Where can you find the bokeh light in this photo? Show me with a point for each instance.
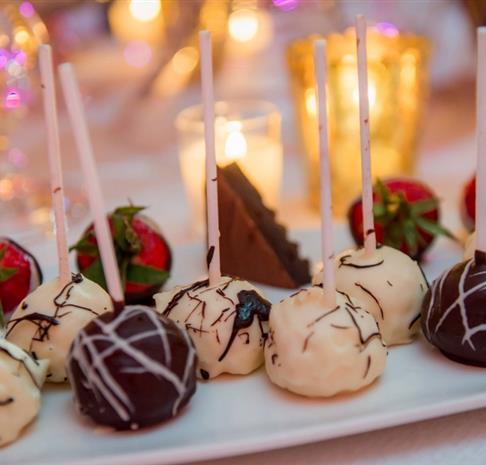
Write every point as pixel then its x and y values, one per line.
pixel 243 25
pixel 26 9
pixel 137 53
pixel 17 158
pixel 145 10
pixel 387 29
pixel 286 5
pixel 185 60
pixel 12 99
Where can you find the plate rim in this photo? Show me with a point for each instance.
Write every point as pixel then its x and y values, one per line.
pixel 295 436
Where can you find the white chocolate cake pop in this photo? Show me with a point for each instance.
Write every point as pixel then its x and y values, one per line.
pixel 317 351
pixel 21 378
pixel 47 320
pixel 227 323
pixel 389 284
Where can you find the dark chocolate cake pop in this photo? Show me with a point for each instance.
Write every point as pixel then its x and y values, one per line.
pixel 454 312
pixel 132 369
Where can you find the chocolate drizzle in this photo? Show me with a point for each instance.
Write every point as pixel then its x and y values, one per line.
pixel 132 369
pixel 45 322
pixel 368 365
pixel 209 256
pixel 250 305
pixel 343 262
pixel 368 292
pixel 179 295
pixel 454 312
pixel 23 360
pixel 414 321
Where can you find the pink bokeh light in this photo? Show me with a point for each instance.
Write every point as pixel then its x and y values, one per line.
pixel 137 54
pixel 26 9
pixel 286 5
pixel 12 99
pixel 387 29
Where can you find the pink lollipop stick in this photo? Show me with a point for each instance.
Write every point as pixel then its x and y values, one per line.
pixel 214 267
pixel 481 142
pixel 364 132
pixel 328 279
pixel 75 109
pixel 54 153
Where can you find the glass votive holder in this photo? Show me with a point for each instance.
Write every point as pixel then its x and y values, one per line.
pixel 397 88
pixel 248 133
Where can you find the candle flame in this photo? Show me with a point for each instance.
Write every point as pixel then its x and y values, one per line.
pixel 144 10
pixel 243 25
pixel 235 146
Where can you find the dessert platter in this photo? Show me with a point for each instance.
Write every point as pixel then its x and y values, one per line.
pixel 145 354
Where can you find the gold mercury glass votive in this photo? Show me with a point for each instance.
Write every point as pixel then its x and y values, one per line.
pixel 246 132
pixel 397 87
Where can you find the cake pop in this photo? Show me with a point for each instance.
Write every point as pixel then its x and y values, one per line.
pixel 322 342
pixel 389 284
pixel 453 312
pixel 129 368
pixel 46 321
pixel 227 323
pixel 21 378
pixel 318 351
pixel 226 317
pixel 132 369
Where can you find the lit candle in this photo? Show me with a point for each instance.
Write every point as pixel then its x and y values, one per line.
pixel 396 87
pixel 257 151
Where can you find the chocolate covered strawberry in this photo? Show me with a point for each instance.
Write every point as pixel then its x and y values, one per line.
pixel 143 255
pixel 406 216
pixel 20 274
pixel 468 204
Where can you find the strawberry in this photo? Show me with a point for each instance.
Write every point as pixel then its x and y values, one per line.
pixel 406 214
pixel 143 255
pixel 19 274
pixel 468 204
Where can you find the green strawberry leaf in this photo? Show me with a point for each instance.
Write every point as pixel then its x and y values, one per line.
pixel 148 275
pixel 95 273
pixel 85 246
pixel 424 206
pixel 7 273
pixel 3 251
pixel 410 235
pixel 379 210
pixel 436 229
pixel 128 211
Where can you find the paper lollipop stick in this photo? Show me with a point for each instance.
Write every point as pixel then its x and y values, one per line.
pixel 54 153
pixel 92 182
pixel 328 278
pixel 364 132
pixel 214 267
pixel 481 142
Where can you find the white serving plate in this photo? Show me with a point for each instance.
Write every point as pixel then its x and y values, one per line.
pixel 236 415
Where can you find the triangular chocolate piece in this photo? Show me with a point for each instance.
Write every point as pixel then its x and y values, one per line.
pixel 253 245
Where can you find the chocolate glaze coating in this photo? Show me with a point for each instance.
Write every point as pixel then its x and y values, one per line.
pixel 454 312
pixel 132 369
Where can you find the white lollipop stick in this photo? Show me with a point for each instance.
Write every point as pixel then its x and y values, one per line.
pixel 214 267
pixel 54 153
pixel 364 132
pixel 92 182
pixel 328 278
pixel 481 142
